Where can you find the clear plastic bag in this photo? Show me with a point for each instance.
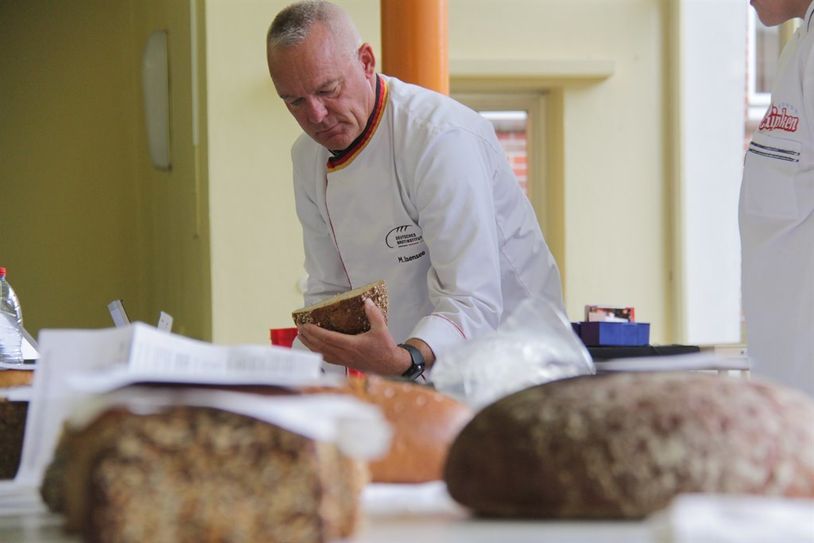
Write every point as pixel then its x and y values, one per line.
pixel 535 344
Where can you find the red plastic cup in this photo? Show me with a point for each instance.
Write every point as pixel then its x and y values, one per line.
pixel 282 337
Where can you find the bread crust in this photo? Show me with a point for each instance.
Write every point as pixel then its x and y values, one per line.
pixel 623 445
pixel 345 312
pixel 200 474
pixel 15 378
pixel 425 424
pixel 424 421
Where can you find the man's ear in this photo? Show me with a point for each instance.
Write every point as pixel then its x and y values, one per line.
pixel 367 58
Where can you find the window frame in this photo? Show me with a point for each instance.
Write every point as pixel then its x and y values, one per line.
pixel 757 102
pixel 534 104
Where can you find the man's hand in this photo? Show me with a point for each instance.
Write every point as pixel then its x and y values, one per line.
pixel 374 351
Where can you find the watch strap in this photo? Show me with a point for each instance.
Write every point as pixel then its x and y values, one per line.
pixel 416 362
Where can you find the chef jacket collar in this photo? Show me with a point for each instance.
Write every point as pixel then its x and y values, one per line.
pixel 336 155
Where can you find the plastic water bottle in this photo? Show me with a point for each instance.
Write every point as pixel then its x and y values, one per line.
pixel 11 323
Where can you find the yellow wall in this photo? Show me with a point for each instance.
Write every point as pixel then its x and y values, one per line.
pixel 612 238
pixel 67 168
pixel 175 212
pixel 257 254
pixel 95 222
pixel 614 186
pixel 84 217
pixel 614 234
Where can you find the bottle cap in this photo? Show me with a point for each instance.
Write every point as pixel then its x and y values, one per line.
pixel 2 271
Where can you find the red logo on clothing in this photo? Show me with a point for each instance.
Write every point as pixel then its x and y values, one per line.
pixel 779 120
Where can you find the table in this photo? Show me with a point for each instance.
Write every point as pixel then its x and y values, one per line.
pixel 438 528
pixel 400 514
pixel 425 514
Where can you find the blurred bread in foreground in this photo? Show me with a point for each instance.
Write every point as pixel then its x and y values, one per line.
pixel 623 445
pixel 15 378
pixel 192 474
pixel 424 421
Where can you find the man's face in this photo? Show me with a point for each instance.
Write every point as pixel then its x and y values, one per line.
pixel 775 12
pixel 330 92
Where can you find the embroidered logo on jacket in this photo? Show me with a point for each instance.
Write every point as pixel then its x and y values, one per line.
pixel 780 119
pixel 403 236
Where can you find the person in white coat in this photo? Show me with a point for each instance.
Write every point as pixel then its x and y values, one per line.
pixel 777 212
pixel 396 182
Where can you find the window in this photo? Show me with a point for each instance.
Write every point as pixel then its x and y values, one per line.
pixel 763 51
pixel 519 124
pixel 511 128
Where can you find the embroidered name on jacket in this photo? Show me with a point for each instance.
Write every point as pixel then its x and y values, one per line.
pixel 403 236
pixel 779 120
pixel 412 257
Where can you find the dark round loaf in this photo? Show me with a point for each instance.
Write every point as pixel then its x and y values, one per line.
pixel 623 445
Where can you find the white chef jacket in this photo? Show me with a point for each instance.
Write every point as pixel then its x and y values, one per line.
pixel 426 200
pixel 777 223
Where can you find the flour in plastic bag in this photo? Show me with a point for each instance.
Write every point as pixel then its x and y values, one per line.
pixel 534 345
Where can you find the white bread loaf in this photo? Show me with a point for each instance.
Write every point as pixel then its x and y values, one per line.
pixel 424 421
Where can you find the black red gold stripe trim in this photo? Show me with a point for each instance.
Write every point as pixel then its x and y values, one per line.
pixel 347 157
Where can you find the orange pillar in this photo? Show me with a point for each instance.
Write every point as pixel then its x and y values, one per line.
pixel 414 42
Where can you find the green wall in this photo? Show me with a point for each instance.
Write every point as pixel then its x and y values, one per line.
pixel 84 218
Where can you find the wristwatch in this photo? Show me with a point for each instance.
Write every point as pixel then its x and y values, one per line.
pixel 416 362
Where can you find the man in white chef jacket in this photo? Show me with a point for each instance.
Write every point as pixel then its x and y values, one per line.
pixel 777 212
pixel 396 182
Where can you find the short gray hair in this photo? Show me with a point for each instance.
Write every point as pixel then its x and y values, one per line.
pixel 292 25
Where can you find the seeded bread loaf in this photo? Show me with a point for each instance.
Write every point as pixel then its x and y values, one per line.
pixel 12 422
pixel 344 312
pixel 623 445
pixel 191 474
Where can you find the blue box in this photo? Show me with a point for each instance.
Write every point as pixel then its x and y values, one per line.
pixel 596 334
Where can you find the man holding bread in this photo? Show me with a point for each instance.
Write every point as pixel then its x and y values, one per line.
pixel 398 183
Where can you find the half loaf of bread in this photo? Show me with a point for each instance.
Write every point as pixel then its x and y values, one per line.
pixel 345 312
pixel 190 474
